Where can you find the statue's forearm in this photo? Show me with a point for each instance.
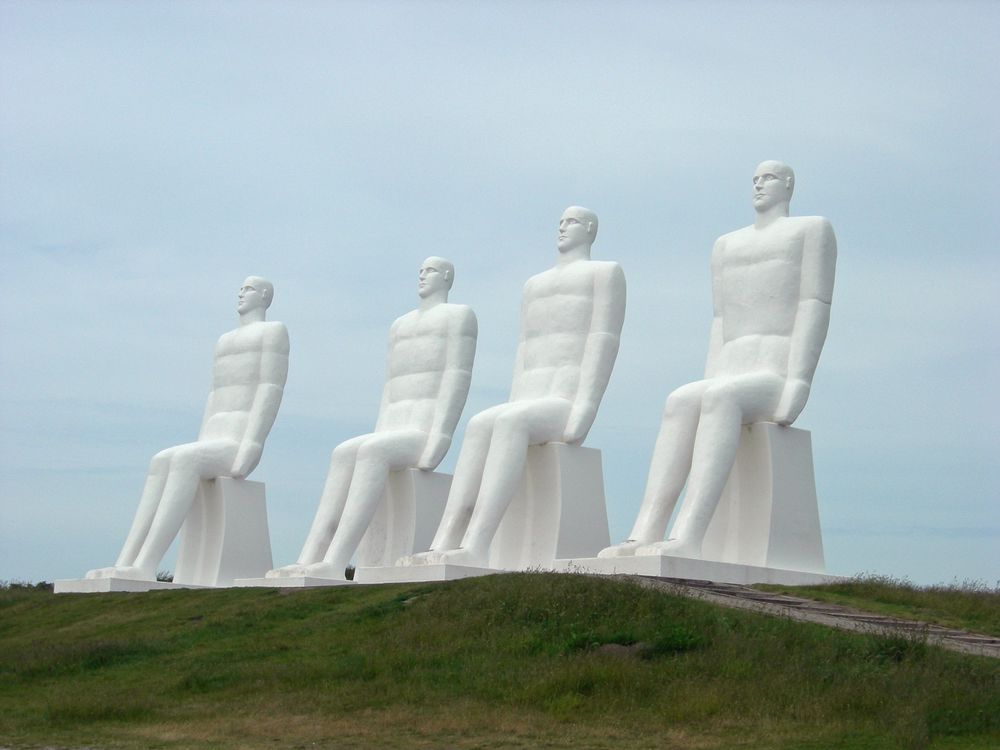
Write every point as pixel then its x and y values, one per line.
pixel 263 412
pixel 595 372
pixel 811 323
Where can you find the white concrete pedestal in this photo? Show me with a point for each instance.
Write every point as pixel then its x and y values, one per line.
pixel 405 521
pixel 419 573
pixel 225 535
pixel 558 511
pixel 768 514
pixel 697 570
pixel 109 585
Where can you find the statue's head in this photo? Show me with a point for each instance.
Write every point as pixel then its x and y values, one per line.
pixel 436 274
pixel 773 183
pixel 255 293
pixel 578 226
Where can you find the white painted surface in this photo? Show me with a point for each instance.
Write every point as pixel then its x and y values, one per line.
pixel 291 582
pixel 430 358
pixel 248 379
pixel 225 535
pixel 406 518
pixel 571 321
pixel 772 284
pixel 112 585
pixel 768 514
pixel 692 569
pixel 558 510
pixel 420 573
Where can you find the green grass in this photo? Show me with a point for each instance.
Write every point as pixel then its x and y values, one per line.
pixel 511 661
pixel 971 605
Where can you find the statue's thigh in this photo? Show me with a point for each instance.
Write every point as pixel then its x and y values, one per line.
pixel 398 448
pixel 544 419
pixel 208 459
pixel 756 395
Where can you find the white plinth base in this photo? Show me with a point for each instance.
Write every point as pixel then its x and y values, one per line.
pixel 295 582
pixel 768 515
pixel 106 585
pixel 225 534
pixel 419 573
pixel 406 518
pixel 698 570
pixel 557 512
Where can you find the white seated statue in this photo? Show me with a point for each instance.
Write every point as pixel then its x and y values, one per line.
pixel 772 284
pixel 431 352
pixel 571 320
pixel 248 379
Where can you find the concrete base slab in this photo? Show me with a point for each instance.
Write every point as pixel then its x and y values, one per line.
pixel 294 582
pixel 108 585
pixel 419 573
pixel 698 570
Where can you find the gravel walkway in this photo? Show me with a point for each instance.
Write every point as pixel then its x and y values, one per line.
pixel 833 615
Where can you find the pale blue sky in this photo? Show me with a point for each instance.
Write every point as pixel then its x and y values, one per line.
pixel 154 154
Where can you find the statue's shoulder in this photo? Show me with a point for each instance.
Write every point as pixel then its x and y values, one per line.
pixel 274 335
pixel 736 236
pixel 460 319
pixel 810 222
pixel 457 311
pixel 605 267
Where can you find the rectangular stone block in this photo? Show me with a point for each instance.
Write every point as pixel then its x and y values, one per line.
pixel 225 535
pixel 406 518
pixel 107 585
pixel 697 570
pixel 419 573
pixel 768 515
pixel 558 511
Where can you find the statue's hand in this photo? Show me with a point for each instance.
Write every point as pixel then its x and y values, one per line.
pixel 792 402
pixel 247 458
pixel 437 446
pixel 581 418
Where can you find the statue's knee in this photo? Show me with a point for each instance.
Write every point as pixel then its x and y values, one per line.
pixel 160 463
pixel 508 423
pixel 480 425
pixel 371 454
pixel 680 402
pixel 717 398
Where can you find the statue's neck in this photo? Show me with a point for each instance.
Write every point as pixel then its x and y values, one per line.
pixel 252 316
pixel 573 255
pixel 767 217
pixel 433 300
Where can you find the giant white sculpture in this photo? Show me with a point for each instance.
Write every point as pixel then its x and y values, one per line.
pixel 248 379
pixel 571 320
pixel 772 284
pixel 431 352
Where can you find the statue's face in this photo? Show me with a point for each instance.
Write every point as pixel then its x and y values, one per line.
pixel 771 186
pixel 573 230
pixel 431 279
pixel 250 298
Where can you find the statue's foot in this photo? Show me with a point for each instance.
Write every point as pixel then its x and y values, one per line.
pixel 463 556
pixel 286 571
pixel 324 570
pixel 100 573
pixel 295 570
pixel 671 548
pixel 421 558
pixel 625 549
pixel 130 572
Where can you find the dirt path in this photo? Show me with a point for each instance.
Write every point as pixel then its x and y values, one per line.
pixel 823 613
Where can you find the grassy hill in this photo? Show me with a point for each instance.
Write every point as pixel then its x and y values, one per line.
pixel 512 661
